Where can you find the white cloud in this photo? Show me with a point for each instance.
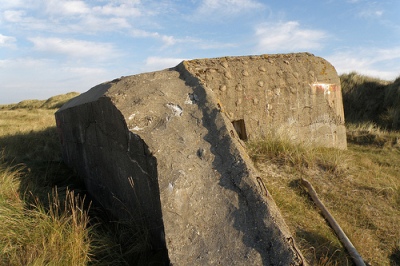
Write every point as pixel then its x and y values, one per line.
pixel 371 12
pixel 367 9
pixel 7 41
pixel 122 10
pixel 376 62
pixel 85 71
pixel 74 48
pixel 13 15
pixel 6 4
pixel 227 7
pixel 184 42
pixel 20 19
pixel 24 64
pixel 29 78
pixel 287 37
pixel 95 23
pixel 72 8
pixel 154 63
pixel 64 16
pixel 206 44
pixel 66 7
pixel 20 79
pixel 166 39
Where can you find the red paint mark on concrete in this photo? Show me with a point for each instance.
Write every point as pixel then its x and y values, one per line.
pixel 325 87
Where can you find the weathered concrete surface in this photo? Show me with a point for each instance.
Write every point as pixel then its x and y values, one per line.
pixel 160 148
pixel 295 95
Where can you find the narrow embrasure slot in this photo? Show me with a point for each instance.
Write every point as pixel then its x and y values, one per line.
pixel 240 128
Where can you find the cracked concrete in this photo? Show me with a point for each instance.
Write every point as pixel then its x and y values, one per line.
pixel 166 150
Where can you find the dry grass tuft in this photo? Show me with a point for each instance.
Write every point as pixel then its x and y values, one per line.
pixel 44 216
pixel 298 156
pixel 34 235
pixel 360 186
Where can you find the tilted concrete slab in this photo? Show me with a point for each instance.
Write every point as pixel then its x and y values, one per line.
pixel 165 149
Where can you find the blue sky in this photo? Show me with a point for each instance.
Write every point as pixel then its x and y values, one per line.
pixel 50 47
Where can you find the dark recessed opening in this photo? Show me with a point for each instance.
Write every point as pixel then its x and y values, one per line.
pixel 240 128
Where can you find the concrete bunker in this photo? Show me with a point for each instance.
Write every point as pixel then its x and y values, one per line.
pixel 165 149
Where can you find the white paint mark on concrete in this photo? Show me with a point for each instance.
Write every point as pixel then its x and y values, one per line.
pixel 132 116
pixel 191 98
pixel 176 109
pixel 136 128
pixel 170 187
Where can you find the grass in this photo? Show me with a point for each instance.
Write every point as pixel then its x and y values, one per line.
pixel 54 102
pixel 367 99
pixel 360 186
pixel 34 235
pixel 45 215
pixel 42 224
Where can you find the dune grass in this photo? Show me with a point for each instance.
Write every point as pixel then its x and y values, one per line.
pixel 34 235
pixel 41 224
pixel 368 99
pixel 45 215
pixel 54 102
pixel 360 186
pixel 37 231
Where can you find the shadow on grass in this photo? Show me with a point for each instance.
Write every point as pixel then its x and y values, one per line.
pixel 319 250
pixel 395 256
pixel 39 154
pixel 44 173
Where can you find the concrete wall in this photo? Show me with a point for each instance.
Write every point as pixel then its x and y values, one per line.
pixel 165 150
pixel 118 169
pixel 295 95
